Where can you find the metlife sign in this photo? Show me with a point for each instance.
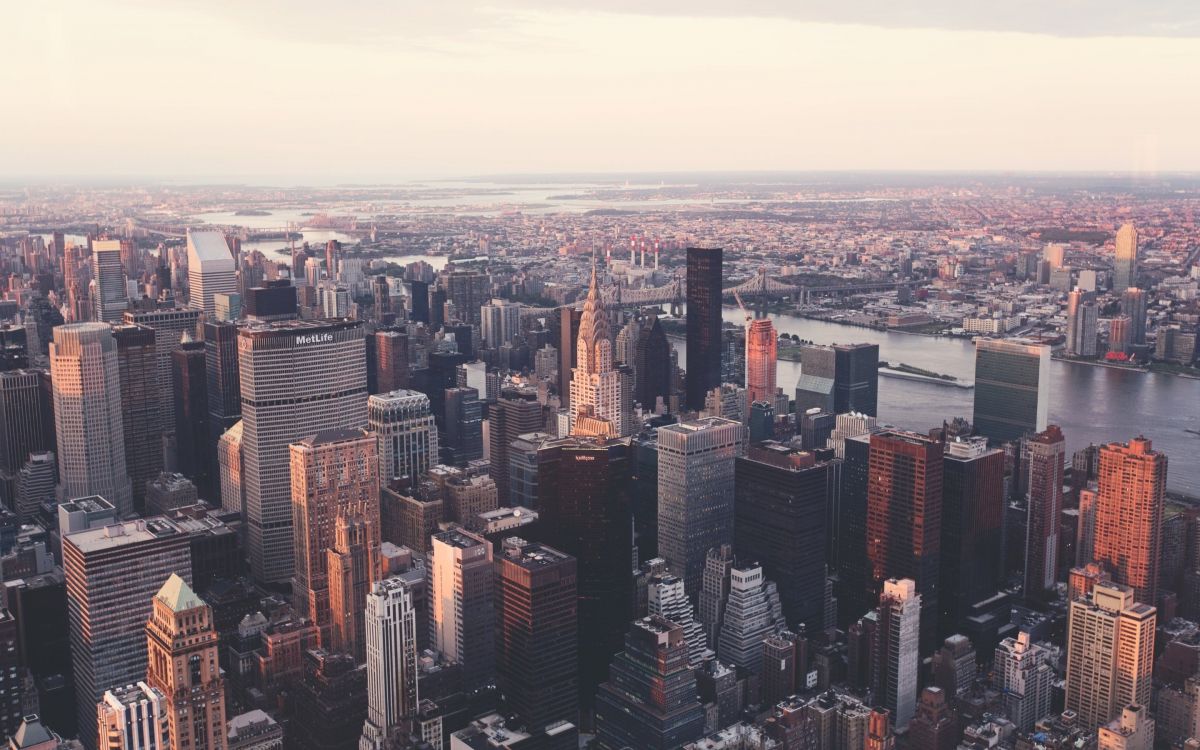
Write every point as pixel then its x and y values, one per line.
pixel 314 338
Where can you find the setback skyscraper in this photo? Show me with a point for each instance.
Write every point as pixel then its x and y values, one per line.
pixel 761 363
pixel 391 636
pixel 408 437
pixel 596 404
pixel 1011 378
pixel 112 293
pixel 703 323
pixel 212 270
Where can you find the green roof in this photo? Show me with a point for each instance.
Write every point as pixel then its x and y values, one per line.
pixel 178 595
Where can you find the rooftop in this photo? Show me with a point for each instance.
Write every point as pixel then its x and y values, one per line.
pixel 209 245
pixel 178 595
pixel 122 534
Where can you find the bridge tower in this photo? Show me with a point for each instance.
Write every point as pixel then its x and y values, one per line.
pixel 677 300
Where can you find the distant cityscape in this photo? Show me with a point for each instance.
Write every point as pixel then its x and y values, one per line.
pixel 714 462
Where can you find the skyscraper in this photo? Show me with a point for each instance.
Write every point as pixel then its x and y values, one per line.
pixel 904 521
pixel 169 326
pixel 462 610
pixel 650 699
pixel 704 271
pixel 391 637
pixel 1125 258
pixel 463 423
pixel 848 531
pixel 761 365
pixel 190 391
pixel 652 362
pixel 289 392
pixel 408 437
pixel 972 546
pixel 1110 653
pixel 696 493
pixel 1133 304
pixel 536 639
pixel 1082 321
pixel 500 322
pixel 133 717
pixel 221 370
pixel 1011 378
pixel 665 596
pixel 24 428
pixel 515 413
pixel 752 612
pixel 1129 513
pixel 112 293
pixel 141 420
pixel 87 412
pixel 391 361
pixel 112 575
pixel 895 653
pixel 466 291
pixel 781 498
pixel 1042 459
pixel 211 270
pixel 839 378
pixel 181 639
pixel 596 404
pixel 1025 673
pixel 352 565
pixel 335 473
pixel 567 319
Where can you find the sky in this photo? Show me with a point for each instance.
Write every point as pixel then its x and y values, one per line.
pixel 378 90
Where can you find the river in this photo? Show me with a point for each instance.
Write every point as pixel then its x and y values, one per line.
pixel 1091 404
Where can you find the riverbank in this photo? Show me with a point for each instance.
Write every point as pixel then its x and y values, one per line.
pixel 890 373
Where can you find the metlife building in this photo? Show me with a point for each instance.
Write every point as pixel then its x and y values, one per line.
pixel 297 378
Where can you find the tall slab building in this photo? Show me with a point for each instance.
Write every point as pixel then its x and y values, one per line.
pixel 704 272
pixel 1011 378
pixel 211 270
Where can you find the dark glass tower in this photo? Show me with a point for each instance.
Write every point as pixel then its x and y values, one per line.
pixel 972 549
pixel 137 363
pixel 652 363
pixel 566 321
pixel 838 379
pixel 850 536
pixel 190 384
pixel 1010 382
pixel 703 323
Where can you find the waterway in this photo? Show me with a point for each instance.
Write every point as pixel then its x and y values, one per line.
pixel 1091 404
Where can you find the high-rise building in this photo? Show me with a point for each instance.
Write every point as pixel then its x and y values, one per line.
pixel 112 574
pixel 169 326
pixel 35 485
pixel 462 611
pixel 1083 317
pixel 567 320
pixel 391 638
pixel 904 522
pixel 1125 258
pixel 467 291
pixel 231 467
pixel 391 361
pixel 221 370
pixel 751 613
pixel 1042 459
pixel 781 497
pixel 704 271
pixel 515 413
pixel 666 597
pixel 134 717
pixel 838 379
pixel 289 391
pixel 650 699
pixel 596 404
pixel 761 365
pixel 848 531
pixel 537 637
pixel 1025 673
pixel 1119 334
pixel 87 414
pixel 181 639
pixel 895 653
pixel 211 270
pixel 1133 304
pixel 696 493
pixel 652 363
pixel 714 591
pixel 333 474
pixel 1011 378
pixel 1129 514
pixel 112 292
pixel 500 322
pixel 141 420
pixel 352 566
pixel 585 506
pixel 971 566
pixel 408 437
pixel 24 427
pixel 190 390
pixel 1110 653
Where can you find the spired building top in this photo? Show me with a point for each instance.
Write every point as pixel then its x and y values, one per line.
pixel 178 595
pixel 595 384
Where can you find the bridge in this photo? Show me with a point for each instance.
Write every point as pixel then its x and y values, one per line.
pixel 759 286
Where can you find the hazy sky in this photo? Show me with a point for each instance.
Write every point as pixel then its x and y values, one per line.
pixel 392 89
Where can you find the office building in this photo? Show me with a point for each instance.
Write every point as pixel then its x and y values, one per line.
pixel 666 597
pixel 904 522
pixel 1025 673
pixel 1110 653
pixel 652 363
pixel 192 431
pixel 781 497
pixel 1133 305
pixel 462 611
pixel 839 378
pixel 515 413
pixel 169 326
pixel 467 291
pixel 1129 513
pixel 649 701
pixel 87 414
pixel 408 436
pixel 935 725
pixel 271 302
pixel 500 322
pixel 1083 317
pixel 24 427
pixel 228 306
pixel 751 613
pixel 462 441
pixel 895 653
pixel 761 363
pixel 181 639
pixel 971 565
pixel 34 485
pixel 596 403
pixel 221 370
pixel 335 473
pixel 1042 459
pixel 537 637
pixel 1125 258
pixel 566 321
pixel 714 590
pixel 211 270
pixel 1119 335
pixel 290 392
pixel 134 717
pixel 1011 378
pixel 391 640
pixel 112 292
pixel 254 730
pixel 231 467
pixel 352 565
pixel 168 492
pixel 704 271
pixel 696 463
pixel 112 574
pixel 141 418
pixel 391 361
